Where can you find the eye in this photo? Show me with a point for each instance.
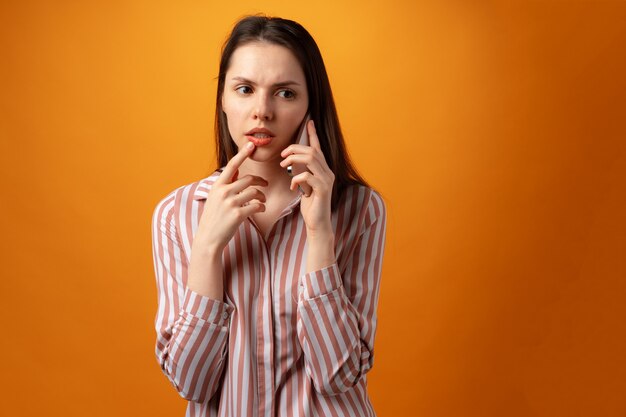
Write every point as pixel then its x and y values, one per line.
pixel 243 86
pixel 290 94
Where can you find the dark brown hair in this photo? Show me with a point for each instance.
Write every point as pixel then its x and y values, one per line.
pixel 322 109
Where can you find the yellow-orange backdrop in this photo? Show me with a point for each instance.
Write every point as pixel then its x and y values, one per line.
pixel 494 130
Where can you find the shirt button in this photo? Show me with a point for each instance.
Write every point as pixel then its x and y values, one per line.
pixel 225 315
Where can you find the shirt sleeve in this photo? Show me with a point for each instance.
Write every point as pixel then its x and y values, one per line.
pixel 336 321
pixel 192 330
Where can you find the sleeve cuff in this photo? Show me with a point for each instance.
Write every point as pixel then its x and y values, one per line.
pixel 207 309
pixel 323 281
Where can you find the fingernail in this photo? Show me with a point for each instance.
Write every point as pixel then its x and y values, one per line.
pixel 250 145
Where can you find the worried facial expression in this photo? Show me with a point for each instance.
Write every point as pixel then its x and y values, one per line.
pixel 265 89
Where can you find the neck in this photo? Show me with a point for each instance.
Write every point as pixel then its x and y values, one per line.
pixel 277 177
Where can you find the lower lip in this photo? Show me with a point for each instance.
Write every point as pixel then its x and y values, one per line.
pixel 259 141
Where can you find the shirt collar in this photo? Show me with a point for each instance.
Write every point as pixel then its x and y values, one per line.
pixel 204 185
pixel 293 203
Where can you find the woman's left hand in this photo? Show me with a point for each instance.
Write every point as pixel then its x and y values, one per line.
pixel 315 207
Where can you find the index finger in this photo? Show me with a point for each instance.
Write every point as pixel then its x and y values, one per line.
pixel 315 142
pixel 235 162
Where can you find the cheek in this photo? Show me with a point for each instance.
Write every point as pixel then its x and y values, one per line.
pixel 233 111
pixel 232 121
pixel 228 103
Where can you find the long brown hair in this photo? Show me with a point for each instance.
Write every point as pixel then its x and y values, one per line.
pixel 322 109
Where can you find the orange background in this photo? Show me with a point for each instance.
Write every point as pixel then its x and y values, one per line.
pixel 494 130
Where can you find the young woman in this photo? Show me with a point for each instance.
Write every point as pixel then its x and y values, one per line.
pixel 267 283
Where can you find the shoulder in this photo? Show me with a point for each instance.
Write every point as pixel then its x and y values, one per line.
pixel 183 196
pixel 364 203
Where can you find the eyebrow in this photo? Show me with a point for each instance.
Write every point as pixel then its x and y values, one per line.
pixel 281 84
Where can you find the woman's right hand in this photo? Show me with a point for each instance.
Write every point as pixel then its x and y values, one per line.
pixel 228 204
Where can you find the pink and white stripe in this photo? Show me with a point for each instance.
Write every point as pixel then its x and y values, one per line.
pixel 283 342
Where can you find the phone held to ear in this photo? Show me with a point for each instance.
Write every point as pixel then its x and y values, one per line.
pixel 295 169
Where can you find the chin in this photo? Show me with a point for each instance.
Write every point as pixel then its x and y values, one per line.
pixel 263 154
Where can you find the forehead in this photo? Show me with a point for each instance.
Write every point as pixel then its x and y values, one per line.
pixel 263 62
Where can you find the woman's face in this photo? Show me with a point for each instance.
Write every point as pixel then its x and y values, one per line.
pixel 265 87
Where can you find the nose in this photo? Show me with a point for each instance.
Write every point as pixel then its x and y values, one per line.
pixel 263 108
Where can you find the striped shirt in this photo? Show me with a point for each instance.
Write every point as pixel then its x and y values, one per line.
pixel 283 342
